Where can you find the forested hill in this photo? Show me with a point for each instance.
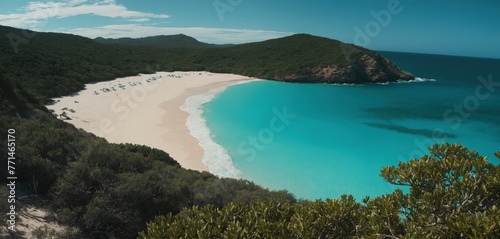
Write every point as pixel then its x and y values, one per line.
pixel 171 41
pixel 55 64
pixel 298 58
pixel 307 58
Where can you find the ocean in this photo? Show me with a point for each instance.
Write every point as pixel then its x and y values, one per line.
pixel 321 141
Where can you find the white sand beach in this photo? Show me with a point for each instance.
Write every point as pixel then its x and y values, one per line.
pixel 144 110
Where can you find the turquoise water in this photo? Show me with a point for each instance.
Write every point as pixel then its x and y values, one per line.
pixel 322 141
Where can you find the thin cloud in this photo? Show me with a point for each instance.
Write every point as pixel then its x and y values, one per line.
pixel 36 13
pixel 140 20
pixel 210 35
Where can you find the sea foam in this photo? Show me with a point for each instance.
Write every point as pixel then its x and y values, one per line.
pixel 217 159
pixel 416 80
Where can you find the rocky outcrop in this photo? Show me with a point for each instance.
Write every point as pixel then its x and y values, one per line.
pixel 369 68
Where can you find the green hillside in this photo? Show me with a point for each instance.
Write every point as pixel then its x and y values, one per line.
pixel 277 58
pixel 172 41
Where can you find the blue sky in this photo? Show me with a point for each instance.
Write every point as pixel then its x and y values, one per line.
pixel 468 28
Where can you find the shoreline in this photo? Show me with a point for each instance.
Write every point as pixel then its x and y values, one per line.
pixel 146 110
pixel 215 157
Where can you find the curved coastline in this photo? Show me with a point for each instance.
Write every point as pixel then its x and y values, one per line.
pixel 173 107
pixel 215 157
pixel 144 111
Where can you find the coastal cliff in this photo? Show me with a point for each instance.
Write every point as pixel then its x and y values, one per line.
pixel 310 59
pixel 367 68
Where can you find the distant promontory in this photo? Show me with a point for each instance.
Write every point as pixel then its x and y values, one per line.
pixel 320 60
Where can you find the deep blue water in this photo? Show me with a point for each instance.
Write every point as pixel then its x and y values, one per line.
pixel 322 141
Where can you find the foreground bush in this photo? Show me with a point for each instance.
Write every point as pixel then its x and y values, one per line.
pixel 453 193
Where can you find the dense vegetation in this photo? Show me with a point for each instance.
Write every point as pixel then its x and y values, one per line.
pixel 53 64
pixel 172 41
pixel 111 191
pixel 269 59
pixel 454 193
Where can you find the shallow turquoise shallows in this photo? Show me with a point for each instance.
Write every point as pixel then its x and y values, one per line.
pixel 322 141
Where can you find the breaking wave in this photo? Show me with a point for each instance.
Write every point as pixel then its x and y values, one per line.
pixel 217 159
